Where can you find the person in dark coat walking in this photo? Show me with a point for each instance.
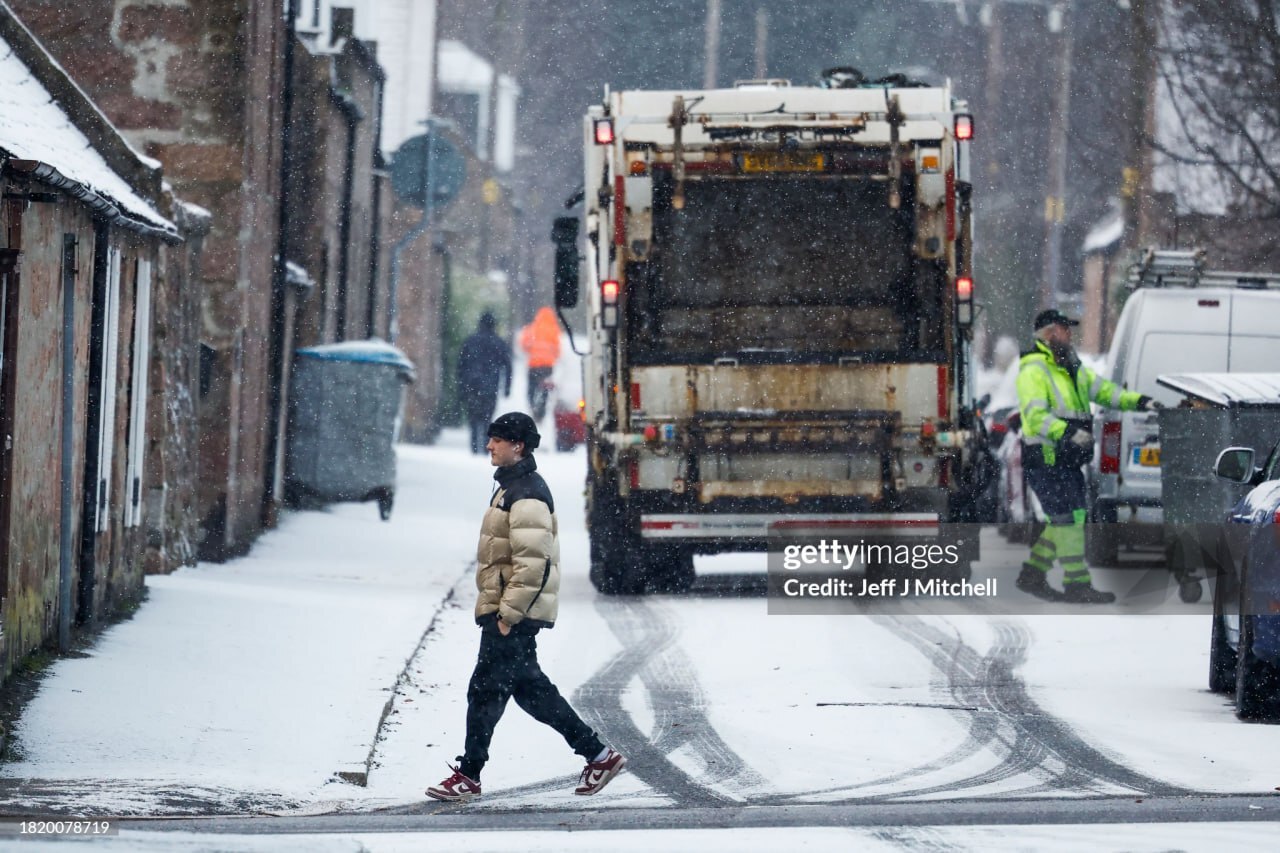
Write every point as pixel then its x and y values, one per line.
pixel 518 578
pixel 483 365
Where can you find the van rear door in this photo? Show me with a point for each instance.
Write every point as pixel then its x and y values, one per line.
pixel 1182 330
pixel 1255 332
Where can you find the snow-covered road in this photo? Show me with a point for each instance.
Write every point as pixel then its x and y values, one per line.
pixel 242 688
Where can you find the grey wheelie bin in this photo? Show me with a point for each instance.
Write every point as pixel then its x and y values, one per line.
pixel 1221 410
pixel 344 419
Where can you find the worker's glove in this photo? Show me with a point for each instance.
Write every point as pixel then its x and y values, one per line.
pixel 1147 404
pixel 1082 438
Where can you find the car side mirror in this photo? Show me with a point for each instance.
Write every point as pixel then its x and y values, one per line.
pixel 1235 464
pixel 564 233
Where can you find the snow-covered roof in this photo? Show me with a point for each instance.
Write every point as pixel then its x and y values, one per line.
pixel 33 126
pixel 463 70
pixel 1105 233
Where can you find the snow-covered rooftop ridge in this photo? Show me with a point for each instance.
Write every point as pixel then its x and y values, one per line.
pixel 298 275
pixel 461 69
pixel 34 126
pixel 1106 232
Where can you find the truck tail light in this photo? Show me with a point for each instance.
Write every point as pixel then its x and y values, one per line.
pixel 964 300
pixel 604 131
pixel 964 127
pixel 609 302
pixel 1109 462
pixel 635 396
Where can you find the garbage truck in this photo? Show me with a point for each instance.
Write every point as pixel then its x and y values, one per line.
pixel 779 293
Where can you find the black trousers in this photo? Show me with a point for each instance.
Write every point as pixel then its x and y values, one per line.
pixel 479 408
pixel 537 391
pixel 507 668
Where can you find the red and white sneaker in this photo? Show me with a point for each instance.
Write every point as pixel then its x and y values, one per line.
pixel 597 774
pixel 457 788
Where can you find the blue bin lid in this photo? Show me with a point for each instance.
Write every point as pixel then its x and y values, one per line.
pixel 371 351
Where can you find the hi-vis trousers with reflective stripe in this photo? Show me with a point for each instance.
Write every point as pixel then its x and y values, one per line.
pixel 1061 493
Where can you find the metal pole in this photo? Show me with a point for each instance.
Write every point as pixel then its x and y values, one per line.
pixel 762 43
pixel 711 46
pixel 1055 201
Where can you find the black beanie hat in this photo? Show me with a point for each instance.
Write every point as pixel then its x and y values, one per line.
pixel 516 426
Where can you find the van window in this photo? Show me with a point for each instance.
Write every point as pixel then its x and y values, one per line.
pixel 1183 352
pixel 1255 354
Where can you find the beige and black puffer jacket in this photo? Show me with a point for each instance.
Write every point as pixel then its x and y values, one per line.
pixel 518 560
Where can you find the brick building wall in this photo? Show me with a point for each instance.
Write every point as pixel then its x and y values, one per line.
pixel 196 85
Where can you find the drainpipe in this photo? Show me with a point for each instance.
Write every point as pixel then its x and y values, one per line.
pixel 276 343
pixel 352 112
pixel 375 235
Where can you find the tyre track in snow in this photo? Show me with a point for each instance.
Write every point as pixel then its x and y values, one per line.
pixel 1006 722
pixel 647 632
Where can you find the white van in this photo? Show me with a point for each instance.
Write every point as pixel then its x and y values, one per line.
pixel 1166 330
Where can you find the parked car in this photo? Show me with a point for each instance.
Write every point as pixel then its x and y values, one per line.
pixel 567 404
pixel 1162 330
pixel 1244 651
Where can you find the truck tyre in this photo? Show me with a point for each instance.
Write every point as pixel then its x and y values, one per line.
pixel 670 569
pixel 961 571
pixel 615 569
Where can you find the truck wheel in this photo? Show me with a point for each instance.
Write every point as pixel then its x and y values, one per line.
pixel 671 569
pixel 961 571
pixel 617 578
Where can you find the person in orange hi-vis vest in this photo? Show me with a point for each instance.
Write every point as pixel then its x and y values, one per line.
pixel 540 341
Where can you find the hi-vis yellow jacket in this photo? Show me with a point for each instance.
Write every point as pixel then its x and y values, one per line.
pixel 1048 398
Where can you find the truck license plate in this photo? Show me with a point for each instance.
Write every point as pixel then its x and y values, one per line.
pixel 1148 457
pixel 782 161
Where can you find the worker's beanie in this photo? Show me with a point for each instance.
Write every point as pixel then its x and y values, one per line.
pixel 516 426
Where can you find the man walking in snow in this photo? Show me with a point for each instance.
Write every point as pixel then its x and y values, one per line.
pixel 483 364
pixel 518 576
